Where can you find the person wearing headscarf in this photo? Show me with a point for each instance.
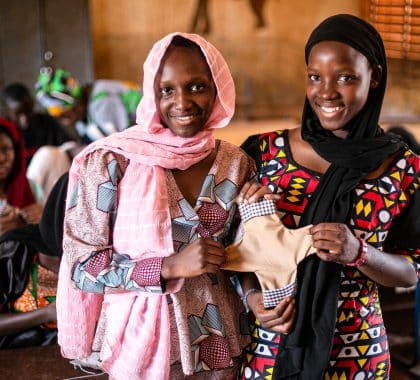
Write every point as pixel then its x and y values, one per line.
pixel 149 212
pixel 17 202
pixel 92 111
pixel 359 190
pixel 29 261
pixel 37 128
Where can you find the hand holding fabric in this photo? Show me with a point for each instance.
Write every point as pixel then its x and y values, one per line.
pixel 335 242
pixel 253 191
pixel 199 257
pixel 279 319
pixel 10 220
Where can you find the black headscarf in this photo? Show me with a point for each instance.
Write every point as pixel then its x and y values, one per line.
pixel 304 353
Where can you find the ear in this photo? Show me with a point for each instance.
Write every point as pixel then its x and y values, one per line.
pixel 376 76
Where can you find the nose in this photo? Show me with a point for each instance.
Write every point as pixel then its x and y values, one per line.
pixel 182 100
pixel 328 90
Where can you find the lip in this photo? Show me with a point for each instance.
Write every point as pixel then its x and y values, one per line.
pixel 184 119
pixel 330 111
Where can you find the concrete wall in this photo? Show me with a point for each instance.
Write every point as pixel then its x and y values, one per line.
pixel 267 64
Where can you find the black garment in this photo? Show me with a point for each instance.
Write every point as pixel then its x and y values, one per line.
pixel 43 130
pixel 18 248
pixel 305 352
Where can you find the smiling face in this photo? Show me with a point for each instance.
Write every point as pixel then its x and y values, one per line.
pixel 338 85
pixel 185 91
pixel 7 156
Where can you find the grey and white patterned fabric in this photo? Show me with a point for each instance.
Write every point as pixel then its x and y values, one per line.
pixel 252 210
pixel 273 296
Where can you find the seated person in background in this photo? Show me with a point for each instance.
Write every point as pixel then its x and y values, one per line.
pixel 406 135
pixel 95 110
pixel 37 129
pixel 29 263
pixel 42 174
pixel 17 203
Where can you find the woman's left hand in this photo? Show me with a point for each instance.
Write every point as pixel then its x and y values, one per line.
pixel 335 242
pixel 253 191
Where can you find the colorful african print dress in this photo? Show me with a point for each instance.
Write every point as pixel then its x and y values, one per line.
pixel 206 314
pixel 360 346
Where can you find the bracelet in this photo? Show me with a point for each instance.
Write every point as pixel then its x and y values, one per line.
pixel 361 257
pixel 245 297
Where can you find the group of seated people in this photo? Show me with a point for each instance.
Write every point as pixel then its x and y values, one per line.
pixel 40 133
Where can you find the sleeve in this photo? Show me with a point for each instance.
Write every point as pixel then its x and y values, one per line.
pixel 404 235
pixel 88 230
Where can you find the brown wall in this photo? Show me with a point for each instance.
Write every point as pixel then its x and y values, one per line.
pixel 271 59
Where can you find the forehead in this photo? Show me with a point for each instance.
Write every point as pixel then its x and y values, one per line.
pixel 16 105
pixel 5 139
pixel 184 61
pixel 337 52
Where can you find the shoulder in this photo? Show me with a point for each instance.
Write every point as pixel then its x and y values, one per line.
pixel 101 160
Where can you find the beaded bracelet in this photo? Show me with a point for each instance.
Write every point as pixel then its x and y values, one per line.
pixel 245 297
pixel 361 257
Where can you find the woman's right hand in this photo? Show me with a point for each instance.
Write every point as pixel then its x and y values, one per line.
pixel 10 221
pixel 200 256
pixel 279 319
pixel 253 191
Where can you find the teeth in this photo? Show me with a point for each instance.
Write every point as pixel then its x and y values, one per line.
pixel 184 118
pixel 330 109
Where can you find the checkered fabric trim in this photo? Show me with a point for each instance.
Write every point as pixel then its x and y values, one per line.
pixel 147 272
pixel 98 262
pixel 252 210
pixel 272 297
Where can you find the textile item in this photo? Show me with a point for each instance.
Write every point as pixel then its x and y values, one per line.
pixel 155 148
pixel 270 250
pixel 40 291
pixel 217 307
pixel 19 192
pixel 360 346
pixel 57 90
pixel 111 108
pixel 351 159
pixel 51 223
pixel 19 246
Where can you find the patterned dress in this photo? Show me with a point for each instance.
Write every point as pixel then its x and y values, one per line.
pixel 207 311
pixel 360 347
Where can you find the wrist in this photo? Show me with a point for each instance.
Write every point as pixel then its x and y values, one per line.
pixel 246 296
pixel 166 271
pixel 361 255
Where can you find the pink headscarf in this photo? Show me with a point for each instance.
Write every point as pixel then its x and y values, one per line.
pixel 153 148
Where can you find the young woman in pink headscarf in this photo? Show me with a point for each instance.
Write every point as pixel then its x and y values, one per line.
pixel 149 212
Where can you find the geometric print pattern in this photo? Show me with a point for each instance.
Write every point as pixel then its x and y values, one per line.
pixel 360 348
pixel 259 357
pixel 209 346
pixel 211 216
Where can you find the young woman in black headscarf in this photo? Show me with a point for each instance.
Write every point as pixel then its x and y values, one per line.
pixel 359 188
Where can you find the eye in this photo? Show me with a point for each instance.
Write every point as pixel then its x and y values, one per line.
pixel 344 78
pixel 197 87
pixel 165 91
pixel 313 77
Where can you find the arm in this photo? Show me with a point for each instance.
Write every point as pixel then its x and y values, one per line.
pixel 335 242
pixel 11 323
